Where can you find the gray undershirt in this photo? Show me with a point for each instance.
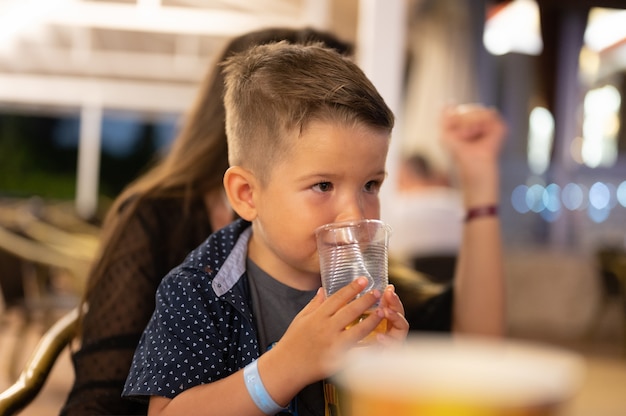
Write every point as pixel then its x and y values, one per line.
pixel 274 305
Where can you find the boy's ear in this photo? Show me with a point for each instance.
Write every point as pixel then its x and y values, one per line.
pixel 239 184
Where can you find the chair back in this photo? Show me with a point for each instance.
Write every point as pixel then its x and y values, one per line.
pixel 37 370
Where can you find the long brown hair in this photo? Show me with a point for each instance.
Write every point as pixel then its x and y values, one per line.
pixel 195 165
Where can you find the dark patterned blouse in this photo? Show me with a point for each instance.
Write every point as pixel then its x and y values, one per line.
pixel 124 299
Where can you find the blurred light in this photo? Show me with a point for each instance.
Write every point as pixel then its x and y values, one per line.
pixel 534 198
pixel 576 150
pixel 551 197
pixel 514 28
pixel 518 199
pixel 621 193
pixel 585 191
pixel 598 215
pixel 599 196
pixel 612 195
pixel 600 126
pixel 572 196
pixel 589 63
pixel 551 201
pixel 540 138
pixel 605 28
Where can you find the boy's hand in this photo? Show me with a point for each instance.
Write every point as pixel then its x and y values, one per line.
pixel 397 325
pixel 317 339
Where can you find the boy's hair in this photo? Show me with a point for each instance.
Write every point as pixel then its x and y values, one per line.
pixel 273 91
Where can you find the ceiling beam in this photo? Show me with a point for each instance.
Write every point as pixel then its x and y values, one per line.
pixel 170 19
pixel 146 66
pixel 72 92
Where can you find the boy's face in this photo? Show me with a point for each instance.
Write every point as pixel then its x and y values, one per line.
pixel 332 173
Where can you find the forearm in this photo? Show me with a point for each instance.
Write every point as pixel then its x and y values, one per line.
pixel 230 396
pixel 479 282
pixel 312 349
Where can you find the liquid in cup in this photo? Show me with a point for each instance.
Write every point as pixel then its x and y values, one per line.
pixel 348 250
pixel 460 376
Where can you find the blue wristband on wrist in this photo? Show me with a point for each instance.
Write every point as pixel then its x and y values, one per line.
pixel 257 391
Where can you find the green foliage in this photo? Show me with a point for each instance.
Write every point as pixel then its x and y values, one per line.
pixel 32 163
pixel 26 167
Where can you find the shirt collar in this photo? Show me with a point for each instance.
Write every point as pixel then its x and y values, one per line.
pixel 234 266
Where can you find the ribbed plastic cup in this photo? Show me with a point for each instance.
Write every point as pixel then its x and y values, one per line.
pixel 348 250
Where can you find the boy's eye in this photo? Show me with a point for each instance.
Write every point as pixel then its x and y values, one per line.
pixel 323 187
pixel 372 186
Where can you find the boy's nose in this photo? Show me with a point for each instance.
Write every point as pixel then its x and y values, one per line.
pixel 351 210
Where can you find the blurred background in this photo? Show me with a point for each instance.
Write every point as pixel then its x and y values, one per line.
pixel 91 91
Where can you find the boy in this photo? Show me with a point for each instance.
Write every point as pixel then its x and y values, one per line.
pixel 241 327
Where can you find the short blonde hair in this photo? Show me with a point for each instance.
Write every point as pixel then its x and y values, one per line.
pixel 273 91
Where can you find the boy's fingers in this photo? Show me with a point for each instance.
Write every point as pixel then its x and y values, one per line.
pixel 356 308
pixel 344 295
pixel 396 320
pixel 392 300
pixel 364 327
pixel 394 311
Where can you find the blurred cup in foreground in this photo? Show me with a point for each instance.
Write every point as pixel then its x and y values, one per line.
pixel 438 376
pixel 348 250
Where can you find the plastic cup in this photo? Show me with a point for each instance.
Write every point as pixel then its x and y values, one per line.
pixel 348 250
pixel 432 376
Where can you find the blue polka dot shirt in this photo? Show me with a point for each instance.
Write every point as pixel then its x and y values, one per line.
pixel 202 328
